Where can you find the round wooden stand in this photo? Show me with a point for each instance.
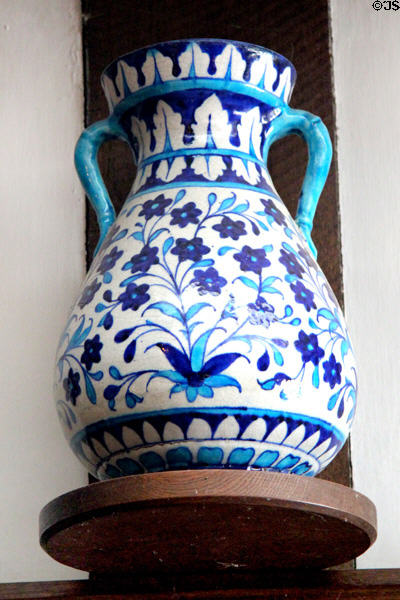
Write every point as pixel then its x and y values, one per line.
pixel 199 521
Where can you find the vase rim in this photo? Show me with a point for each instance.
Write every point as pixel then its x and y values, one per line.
pixel 249 45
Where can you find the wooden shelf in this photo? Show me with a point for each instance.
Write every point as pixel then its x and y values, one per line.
pixel 324 585
pixel 187 523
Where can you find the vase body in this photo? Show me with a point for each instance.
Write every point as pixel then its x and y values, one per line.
pixel 205 334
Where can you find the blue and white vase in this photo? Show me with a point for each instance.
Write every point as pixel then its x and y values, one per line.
pixel 205 334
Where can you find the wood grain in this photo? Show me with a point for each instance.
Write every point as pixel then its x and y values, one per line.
pixel 381 584
pixel 187 522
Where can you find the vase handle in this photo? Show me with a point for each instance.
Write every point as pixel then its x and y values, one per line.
pixel 89 173
pixel 316 135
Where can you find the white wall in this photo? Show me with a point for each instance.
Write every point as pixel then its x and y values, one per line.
pixel 42 257
pixel 41 265
pixel 366 52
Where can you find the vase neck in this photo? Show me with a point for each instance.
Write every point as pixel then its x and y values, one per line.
pixel 199 136
pixel 198 111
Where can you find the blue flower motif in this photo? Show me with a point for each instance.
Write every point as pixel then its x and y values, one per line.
pixel 196 383
pixel 252 259
pixel 185 215
pixel 71 386
pixel 229 228
pixel 109 260
pixel 190 249
pixel 91 353
pixel 309 348
pixel 261 312
pixel 134 296
pixel 290 261
pixel 303 296
pixel 333 371
pixel 208 281
pixel 275 213
pixel 155 207
pixel 89 293
pixel 144 260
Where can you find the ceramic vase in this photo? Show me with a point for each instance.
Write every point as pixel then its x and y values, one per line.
pixel 205 334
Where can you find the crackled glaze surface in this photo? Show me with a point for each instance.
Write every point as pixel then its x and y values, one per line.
pixel 205 334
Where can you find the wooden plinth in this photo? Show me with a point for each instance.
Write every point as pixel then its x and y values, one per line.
pixel 208 520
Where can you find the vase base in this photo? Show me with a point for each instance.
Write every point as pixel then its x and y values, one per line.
pixel 197 521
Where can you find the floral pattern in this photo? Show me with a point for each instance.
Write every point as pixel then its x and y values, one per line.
pixel 208 281
pixel 204 317
pixel 252 259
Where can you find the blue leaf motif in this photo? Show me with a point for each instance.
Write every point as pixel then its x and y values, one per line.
pixel 97 376
pixel 269 281
pixel 176 358
pixel 121 235
pixel 263 361
pixel 129 280
pixel 280 343
pixel 312 323
pixel 240 208
pixel 195 308
pixel 130 352
pixel 207 262
pixel 219 363
pixel 198 350
pixel 108 321
pixel 271 290
pixel 247 281
pixel 91 394
pixel 227 203
pixel 341 408
pixel 156 234
pixel 138 235
pixel 278 358
pixel 191 394
pixel 222 381
pixel 289 232
pixel 169 374
pixel 344 348
pixel 132 399
pixel 289 248
pixel 114 372
pixel 78 337
pixel 224 249
pixel 100 307
pixel 254 228
pixel 167 245
pixel 333 400
pixel 315 377
pixel 295 321
pixel 288 310
pixel 179 197
pixel 123 335
pixel 167 309
pixel 191 327
pixel 324 312
pixel 211 198
pixel 110 392
pixel 269 384
pixel 262 225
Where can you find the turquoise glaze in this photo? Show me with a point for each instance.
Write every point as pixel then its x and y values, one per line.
pixel 205 334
